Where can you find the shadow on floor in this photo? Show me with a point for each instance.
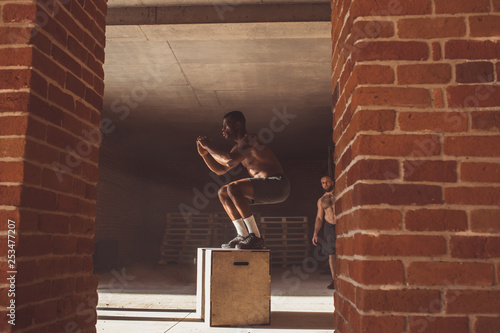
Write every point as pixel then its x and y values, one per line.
pixel 301 320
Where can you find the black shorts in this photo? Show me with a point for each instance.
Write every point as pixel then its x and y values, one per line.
pixel 270 190
pixel 330 235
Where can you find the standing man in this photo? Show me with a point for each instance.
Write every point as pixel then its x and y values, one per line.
pixel 326 211
pixel 267 184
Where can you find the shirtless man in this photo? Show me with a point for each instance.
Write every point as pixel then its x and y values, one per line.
pixel 268 183
pixel 326 212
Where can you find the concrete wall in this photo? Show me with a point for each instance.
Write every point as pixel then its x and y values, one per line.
pixel 120 206
pixel 51 87
pixel 417 132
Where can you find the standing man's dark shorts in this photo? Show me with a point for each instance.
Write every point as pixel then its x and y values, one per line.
pixel 330 235
pixel 270 190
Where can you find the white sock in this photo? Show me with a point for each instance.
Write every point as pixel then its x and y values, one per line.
pixel 252 226
pixel 240 227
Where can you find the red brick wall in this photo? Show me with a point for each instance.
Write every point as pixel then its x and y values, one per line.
pixel 416 124
pixel 51 87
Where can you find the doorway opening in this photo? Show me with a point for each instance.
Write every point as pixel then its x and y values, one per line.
pixel 164 86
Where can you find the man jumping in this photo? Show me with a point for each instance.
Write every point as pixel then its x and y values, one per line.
pixel 268 184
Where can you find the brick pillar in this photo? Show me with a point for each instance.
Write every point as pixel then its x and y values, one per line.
pixel 51 88
pixel 416 126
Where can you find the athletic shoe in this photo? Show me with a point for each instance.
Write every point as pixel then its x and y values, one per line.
pixel 233 242
pixel 251 242
pixel 331 286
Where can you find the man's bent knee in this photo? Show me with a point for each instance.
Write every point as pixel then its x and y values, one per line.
pixel 223 195
pixel 233 189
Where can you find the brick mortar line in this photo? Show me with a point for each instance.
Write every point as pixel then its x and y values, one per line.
pixel 97 8
pixel 425 85
pixel 441 184
pixel 3 24
pixel 336 79
pixel 62 214
pixel 405 232
pixel 10 183
pixel 334 69
pixel 51 212
pixel 417 259
pixel 51 255
pixel 395 63
pixel 398 131
pixel 44 211
pixel 35 258
pixel 338 43
pixel 406 260
pixel 396 18
pixel 55 191
pixel 49 167
pixel 26 259
pixel 421 109
pixel 427 207
pixel 15 46
pixel 20 90
pixel 401 287
pixel 344 67
pixel 341 313
pixel 17 68
pixel 452 61
pixel 37 233
pixel 402 207
pixel 441 135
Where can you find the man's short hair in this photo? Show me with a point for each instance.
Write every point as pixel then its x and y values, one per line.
pixel 236 116
pixel 333 180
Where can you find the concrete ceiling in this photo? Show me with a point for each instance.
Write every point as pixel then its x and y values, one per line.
pixel 165 84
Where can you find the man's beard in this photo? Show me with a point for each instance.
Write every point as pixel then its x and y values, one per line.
pixel 328 189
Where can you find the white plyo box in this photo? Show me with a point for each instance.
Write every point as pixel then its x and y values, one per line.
pixel 233 287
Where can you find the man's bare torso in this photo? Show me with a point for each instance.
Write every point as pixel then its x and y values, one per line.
pixel 327 203
pixel 261 162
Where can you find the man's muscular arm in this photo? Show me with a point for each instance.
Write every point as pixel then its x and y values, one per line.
pixel 210 162
pixel 319 222
pixel 229 160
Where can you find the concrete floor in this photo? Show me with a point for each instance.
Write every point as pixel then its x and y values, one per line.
pixel 153 299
